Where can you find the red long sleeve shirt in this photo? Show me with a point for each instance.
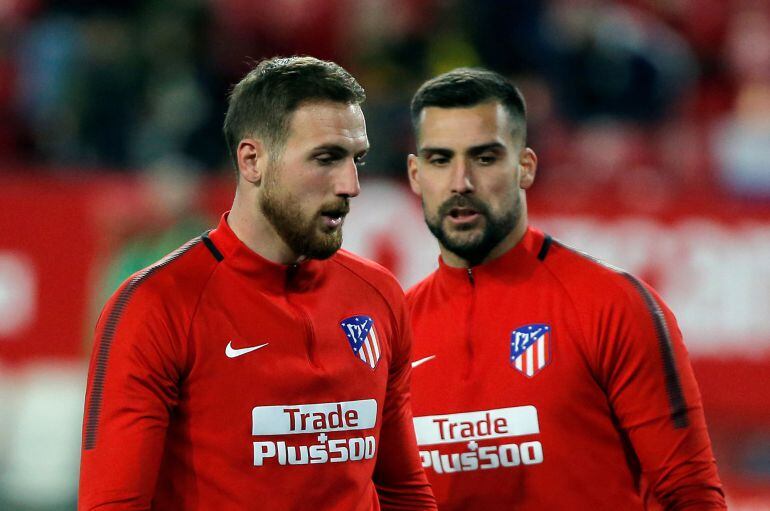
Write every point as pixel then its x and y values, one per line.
pixel 544 380
pixel 220 380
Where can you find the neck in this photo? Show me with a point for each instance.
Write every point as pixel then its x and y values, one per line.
pixel 506 244
pixel 256 232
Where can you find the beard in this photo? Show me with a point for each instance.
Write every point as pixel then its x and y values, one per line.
pixel 469 242
pixel 305 234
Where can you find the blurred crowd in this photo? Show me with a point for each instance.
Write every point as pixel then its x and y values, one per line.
pixel 647 101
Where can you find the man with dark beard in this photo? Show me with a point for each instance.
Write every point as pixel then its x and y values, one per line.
pixel 259 366
pixel 542 379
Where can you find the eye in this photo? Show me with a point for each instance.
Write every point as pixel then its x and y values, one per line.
pixel 486 159
pixel 325 159
pixel 438 160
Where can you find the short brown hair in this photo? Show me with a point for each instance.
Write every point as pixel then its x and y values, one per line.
pixel 263 101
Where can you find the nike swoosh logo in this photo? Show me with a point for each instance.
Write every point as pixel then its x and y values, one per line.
pixel 237 352
pixel 422 361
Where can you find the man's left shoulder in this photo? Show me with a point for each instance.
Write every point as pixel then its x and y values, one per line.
pixel 594 280
pixel 370 273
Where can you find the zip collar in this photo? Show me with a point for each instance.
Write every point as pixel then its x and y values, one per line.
pixel 269 275
pixel 512 265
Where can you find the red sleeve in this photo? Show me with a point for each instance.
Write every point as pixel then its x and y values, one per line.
pixel 645 369
pixel 132 385
pixel 399 477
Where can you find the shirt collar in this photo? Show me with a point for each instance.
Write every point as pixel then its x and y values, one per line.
pixel 510 264
pixel 273 276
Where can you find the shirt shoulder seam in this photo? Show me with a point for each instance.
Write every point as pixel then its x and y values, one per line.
pixel 592 358
pixel 194 312
pixel 393 316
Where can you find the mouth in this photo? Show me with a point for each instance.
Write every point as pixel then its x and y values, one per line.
pixel 463 215
pixel 333 218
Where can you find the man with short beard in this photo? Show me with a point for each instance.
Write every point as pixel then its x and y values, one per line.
pixel 542 379
pixel 259 366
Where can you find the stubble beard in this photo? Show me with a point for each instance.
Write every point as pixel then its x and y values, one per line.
pixel 473 247
pixel 303 234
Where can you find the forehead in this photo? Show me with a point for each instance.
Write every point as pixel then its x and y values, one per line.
pixel 465 127
pixel 328 123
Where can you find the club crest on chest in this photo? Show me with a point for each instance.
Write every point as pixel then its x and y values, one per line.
pixel 531 348
pixel 362 338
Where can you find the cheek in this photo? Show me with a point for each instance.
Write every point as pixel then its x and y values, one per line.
pixel 501 193
pixel 432 196
pixel 303 182
pixel 434 183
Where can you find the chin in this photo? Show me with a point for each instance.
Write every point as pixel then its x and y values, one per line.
pixel 325 245
pixel 465 234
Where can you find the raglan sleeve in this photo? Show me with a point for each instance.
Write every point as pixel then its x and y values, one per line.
pixel 398 475
pixel 651 387
pixel 132 386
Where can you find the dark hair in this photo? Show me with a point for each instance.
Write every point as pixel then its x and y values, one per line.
pixel 466 87
pixel 262 102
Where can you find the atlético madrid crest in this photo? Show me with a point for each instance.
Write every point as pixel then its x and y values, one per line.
pixel 531 348
pixel 362 338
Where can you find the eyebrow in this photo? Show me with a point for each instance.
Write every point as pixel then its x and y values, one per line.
pixel 493 146
pixel 425 151
pixel 331 148
pixel 338 150
pixel 472 151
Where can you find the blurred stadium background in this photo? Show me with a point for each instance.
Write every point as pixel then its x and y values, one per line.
pixel 651 119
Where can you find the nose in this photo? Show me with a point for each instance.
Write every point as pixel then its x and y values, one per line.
pixel 461 177
pixel 346 184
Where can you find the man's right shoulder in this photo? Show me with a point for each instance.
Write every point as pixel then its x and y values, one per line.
pixel 178 278
pixel 420 290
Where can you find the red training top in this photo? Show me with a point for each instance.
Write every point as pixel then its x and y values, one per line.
pixel 545 380
pixel 220 380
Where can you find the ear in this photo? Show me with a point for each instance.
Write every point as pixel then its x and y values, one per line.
pixel 413 169
pixel 251 160
pixel 527 168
